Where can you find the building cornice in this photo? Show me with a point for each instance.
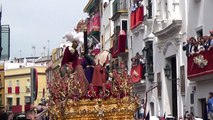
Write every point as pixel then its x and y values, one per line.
pixel 86 7
pixel 169 31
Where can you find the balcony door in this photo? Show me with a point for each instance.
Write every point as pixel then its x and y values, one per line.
pixel 203 108
pixel 9 103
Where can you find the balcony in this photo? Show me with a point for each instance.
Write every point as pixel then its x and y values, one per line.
pixel 119 44
pixel 139 84
pixel 136 73
pixel 170 28
pixel 200 66
pixel 27 107
pixel 17 89
pixel 93 24
pixel 9 90
pixel 119 8
pixel 91 5
pixel 17 109
pixel 136 18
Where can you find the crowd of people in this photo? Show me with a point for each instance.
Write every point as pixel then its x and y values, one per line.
pixel 195 46
pixel 38 112
pixel 138 59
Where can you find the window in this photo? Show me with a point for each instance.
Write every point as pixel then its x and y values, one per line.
pixel 27 100
pixel 116 32
pixel 28 86
pixel 149 8
pixel 192 109
pixel 17 101
pixel 17 82
pixel 149 56
pixel 192 98
pixel 199 33
pixel 0 99
pixel 9 84
pixel 9 104
pixel 1 84
pixel 9 87
pixel 124 27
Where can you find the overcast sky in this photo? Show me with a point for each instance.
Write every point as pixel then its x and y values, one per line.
pixel 34 22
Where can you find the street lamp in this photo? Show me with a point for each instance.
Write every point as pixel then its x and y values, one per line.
pixel 167 70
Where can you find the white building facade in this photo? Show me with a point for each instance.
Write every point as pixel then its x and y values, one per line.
pixel 159 38
pixel 107 26
pixel 157 32
pixel 199 24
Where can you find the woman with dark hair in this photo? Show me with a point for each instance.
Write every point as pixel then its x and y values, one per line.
pixel 194 48
pixel 206 42
pixel 210 42
pixel 202 44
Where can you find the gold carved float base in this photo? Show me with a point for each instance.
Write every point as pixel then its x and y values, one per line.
pixel 96 109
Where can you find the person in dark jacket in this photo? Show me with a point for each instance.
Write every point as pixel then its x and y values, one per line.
pixel 187 47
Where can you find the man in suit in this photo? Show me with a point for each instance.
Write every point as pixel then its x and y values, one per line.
pixel 187 47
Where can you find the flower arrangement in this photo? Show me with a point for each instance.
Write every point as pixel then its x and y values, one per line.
pixel 200 61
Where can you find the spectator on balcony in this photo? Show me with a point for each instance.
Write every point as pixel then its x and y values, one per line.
pixel 187 47
pixel 194 47
pixel 133 60
pixel 202 46
pixel 206 42
pixel 211 32
pixel 142 60
pixel 210 42
pixel 137 56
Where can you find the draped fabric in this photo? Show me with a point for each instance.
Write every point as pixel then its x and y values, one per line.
pixel 194 71
pixel 69 57
pixel 139 15
pixel 82 79
pixel 102 58
pixel 121 43
pixel 94 23
pixel 88 66
pixel 133 19
pixel 99 76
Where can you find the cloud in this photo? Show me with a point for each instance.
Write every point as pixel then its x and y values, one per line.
pixel 33 22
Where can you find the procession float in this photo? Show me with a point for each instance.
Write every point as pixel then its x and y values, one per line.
pixel 85 89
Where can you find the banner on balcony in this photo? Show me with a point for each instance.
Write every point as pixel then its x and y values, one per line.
pixel 136 73
pixel 136 17
pixel 96 22
pixel 200 65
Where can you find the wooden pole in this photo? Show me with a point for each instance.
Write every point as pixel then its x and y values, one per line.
pixel 85 42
